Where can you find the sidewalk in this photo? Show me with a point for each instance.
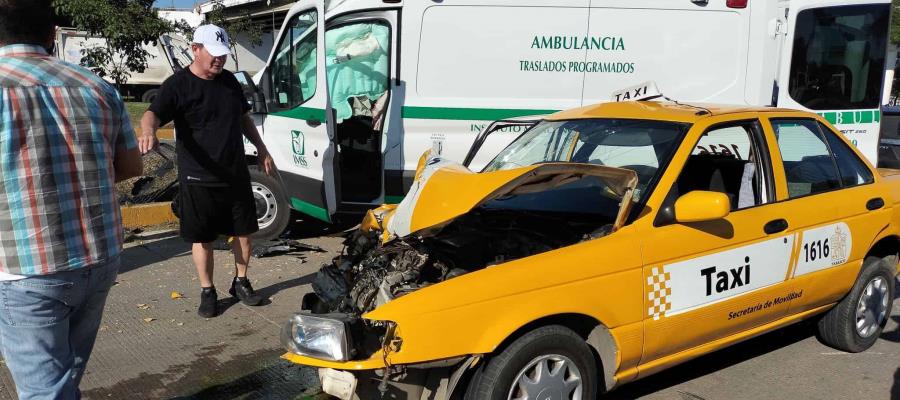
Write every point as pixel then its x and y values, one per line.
pixel 151 346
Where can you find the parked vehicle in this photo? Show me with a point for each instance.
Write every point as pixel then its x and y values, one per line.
pixel 169 55
pixel 604 244
pixel 354 91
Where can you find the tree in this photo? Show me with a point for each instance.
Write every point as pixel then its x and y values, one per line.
pixel 235 26
pixel 895 21
pixel 125 24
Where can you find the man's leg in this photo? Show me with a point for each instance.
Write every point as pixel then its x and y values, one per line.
pixel 241 249
pixel 35 324
pixel 85 321
pixel 240 286
pixel 202 254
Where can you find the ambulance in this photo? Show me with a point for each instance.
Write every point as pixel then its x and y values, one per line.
pixel 354 91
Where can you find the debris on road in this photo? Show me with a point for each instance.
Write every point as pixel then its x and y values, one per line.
pixel 159 181
pixel 176 295
pixel 275 247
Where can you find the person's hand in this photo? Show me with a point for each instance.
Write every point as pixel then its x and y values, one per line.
pixel 265 162
pixel 147 142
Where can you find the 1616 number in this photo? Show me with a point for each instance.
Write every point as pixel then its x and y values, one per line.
pixel 816 249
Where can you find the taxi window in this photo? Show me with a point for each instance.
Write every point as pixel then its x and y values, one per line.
pixel 727 160
pixel 852 169
pixel 808 165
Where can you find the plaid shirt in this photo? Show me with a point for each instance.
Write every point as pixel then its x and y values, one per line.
pixel 60 126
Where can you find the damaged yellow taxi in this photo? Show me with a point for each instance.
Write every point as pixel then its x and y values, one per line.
pixel 603 245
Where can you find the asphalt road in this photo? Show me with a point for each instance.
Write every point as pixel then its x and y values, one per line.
pixel 152 346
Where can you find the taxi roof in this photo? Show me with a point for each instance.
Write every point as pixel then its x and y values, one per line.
pixel 657 110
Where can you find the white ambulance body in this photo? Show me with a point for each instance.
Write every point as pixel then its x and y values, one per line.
pixel 355 90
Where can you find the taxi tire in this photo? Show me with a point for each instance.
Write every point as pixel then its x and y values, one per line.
pixel 837 327
pixel 494 378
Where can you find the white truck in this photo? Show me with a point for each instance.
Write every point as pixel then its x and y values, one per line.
pixel 355 90
pixel 166 57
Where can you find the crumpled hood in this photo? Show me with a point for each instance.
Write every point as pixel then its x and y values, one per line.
pixel 444 190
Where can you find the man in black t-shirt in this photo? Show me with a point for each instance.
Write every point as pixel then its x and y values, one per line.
pixel 210 113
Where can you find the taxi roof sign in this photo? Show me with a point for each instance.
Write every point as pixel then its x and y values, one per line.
pixel 643 91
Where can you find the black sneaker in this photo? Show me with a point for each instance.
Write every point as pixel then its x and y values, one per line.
pixel 240 288
pixel 208 300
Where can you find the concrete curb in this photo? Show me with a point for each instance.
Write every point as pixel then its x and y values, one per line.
pixel 166 133
pixel 147 214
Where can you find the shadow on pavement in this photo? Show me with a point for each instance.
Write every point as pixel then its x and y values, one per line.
pixel 311 228
pixel 895 390
pixel 258 375
pixel 893 336
pixel 715 361
pixel 164 246
pixel 267 292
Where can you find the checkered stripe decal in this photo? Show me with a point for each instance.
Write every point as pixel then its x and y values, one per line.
pixel 658 292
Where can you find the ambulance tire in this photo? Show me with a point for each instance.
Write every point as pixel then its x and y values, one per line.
pixel 149 95
pixel 495 378
pixel 838 329
pixel 275 214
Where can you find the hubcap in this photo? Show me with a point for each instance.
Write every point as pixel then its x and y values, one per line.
pixel 266 207
pixel 547 377
pixel 872 308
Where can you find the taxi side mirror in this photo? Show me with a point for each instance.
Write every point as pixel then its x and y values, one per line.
pixel 700 205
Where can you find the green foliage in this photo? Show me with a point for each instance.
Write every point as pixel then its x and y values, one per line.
pixel 125 24
pixel 895 21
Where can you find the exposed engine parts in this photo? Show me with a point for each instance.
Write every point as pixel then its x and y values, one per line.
pixel 369 274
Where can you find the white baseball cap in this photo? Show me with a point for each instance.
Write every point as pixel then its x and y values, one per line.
pixel 214 39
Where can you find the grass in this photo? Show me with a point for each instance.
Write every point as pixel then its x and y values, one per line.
pixel 136 111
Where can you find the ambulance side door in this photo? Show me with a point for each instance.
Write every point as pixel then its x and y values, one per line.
pixel 295 129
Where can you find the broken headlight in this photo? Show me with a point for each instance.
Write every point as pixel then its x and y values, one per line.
pixel 317 337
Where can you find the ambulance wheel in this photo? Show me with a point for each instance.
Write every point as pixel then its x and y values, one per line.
pixel 550 362
pixel 149 95
pixel 855 323
pixel 272 211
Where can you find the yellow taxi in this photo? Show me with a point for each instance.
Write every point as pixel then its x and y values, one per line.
pixel 603 245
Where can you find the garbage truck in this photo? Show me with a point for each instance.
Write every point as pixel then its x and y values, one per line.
pixel 354 91
pixel 171 53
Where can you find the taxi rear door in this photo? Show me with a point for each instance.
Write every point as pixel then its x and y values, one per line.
pixel 833 205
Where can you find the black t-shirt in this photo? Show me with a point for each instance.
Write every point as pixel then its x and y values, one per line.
pixel 207 115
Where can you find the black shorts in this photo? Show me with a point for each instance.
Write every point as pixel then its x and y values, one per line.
pixel 207 212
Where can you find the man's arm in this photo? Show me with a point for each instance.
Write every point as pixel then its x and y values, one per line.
pixel 264 160
pixel 149 124
pixel 128 164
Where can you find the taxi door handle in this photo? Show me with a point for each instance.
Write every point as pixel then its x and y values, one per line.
pixel 775 226
pixel 874 204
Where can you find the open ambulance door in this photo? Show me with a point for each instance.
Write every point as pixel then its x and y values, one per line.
pixel 296 129
pixel 361 71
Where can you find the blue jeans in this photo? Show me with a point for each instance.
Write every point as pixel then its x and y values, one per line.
pixel 48 325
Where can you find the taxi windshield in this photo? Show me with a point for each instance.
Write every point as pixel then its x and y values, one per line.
pixel 642 146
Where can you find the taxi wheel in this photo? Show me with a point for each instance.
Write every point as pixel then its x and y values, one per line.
pixel 550 362
pixel 855 323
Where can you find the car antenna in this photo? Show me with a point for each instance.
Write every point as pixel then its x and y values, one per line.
pixel 703 110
